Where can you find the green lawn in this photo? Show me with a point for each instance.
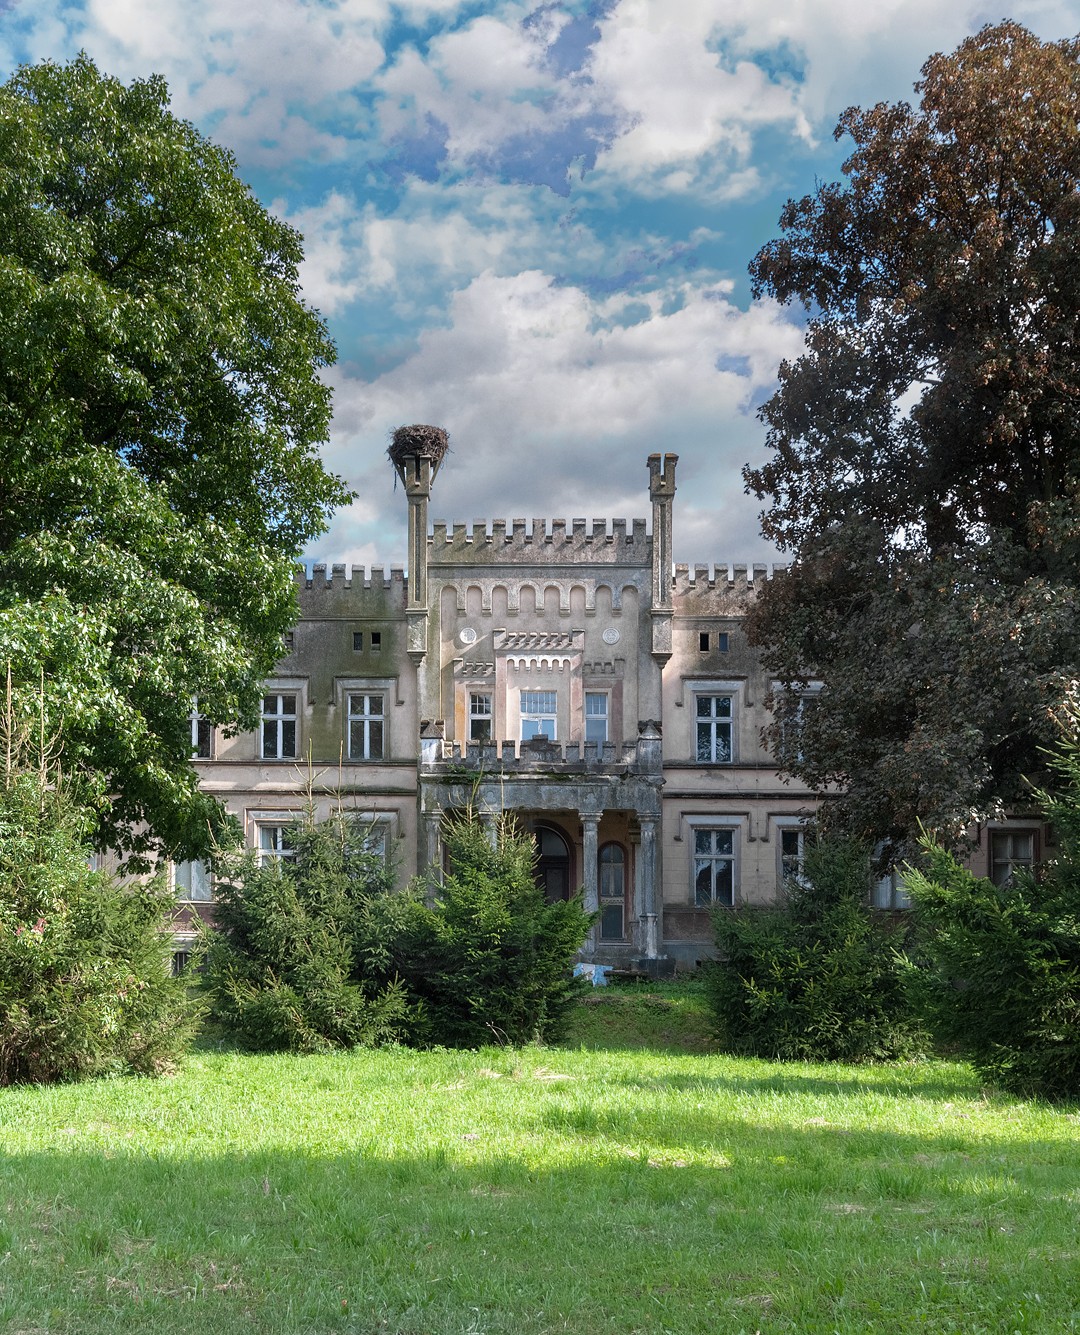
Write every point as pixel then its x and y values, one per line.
pixel 540 1190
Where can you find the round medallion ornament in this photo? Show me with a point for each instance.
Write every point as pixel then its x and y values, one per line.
pixel 467 635
pixel 611 635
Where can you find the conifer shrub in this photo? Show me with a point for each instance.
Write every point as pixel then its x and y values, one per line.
pixel 85 979
pixel 815 977
pixel 300 956
pixel 999 977
pixel 490 959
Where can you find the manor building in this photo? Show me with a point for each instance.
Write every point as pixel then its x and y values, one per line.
pixel 563 671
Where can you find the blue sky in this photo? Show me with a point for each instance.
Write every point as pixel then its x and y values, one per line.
pixel 530 222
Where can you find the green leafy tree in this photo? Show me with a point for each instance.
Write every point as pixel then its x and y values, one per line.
pixel 85 979
pixel 999 967
pixel 817 976
pixel 160 413
pixel 926 445
pixel 299 955
pixel 490 959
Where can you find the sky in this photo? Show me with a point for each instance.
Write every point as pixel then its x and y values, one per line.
pixel 530 223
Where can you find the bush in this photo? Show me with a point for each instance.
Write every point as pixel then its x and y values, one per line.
pixel 490 959
pixel 816 977
pixel 299 955
pixel 85 981
pixel 1001 979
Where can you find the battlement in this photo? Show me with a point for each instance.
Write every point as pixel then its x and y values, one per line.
pixel 733 579
pixel 348 577
pixel 614 541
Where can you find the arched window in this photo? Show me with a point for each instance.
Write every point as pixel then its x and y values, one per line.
pixel 553 863
pixel 612 879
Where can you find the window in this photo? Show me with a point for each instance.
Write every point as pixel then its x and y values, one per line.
pixel 279 727
pixel 288 641
pixel 887 892
pixel 596 716
pixel 714 718
pixel 703 641
pixel 792 851
pixel 376 641
pixel 1010 851
pixel 538 713
pixel 202 734
pixel 714 868
pixel 365 726
pixel 612 878
pixel 191 881
pixel 274 842
pixel 479 716
pixel 722 641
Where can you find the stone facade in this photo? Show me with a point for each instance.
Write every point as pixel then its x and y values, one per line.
pixel 564 671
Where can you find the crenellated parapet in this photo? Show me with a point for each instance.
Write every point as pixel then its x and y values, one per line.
pixel 352 592
pixel 705 589
pixel 343 576
pixel 540 541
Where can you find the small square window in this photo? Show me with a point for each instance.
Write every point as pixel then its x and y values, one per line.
pixel 722 641
pixel 358 641
pixel 376 641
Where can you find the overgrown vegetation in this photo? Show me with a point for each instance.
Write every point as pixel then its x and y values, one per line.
pixel 85 982
pixel 293 962
pixel 1000 977
pixel 315 951
pixel 490 959
pixel 814 977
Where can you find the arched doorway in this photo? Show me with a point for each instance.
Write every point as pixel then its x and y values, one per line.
pixel 552 863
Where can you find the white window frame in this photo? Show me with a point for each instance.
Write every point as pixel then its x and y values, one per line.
pixel 888 892
pixel 604 716
pixel 279 718
pixel 272 824
pixel 365 718
pixel 379 827
pixel 699 690
pixel 193 885
pixel 712 825
pixel 538 713
pixel 200 725
pixel 473 694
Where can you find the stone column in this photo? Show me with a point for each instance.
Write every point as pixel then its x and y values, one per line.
pixel 650 943
pixel 432 855
pixel 590 823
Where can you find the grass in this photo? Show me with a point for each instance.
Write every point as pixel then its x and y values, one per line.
pixel 609 1191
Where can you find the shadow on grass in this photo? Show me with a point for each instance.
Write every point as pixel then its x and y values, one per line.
pixel 748 1228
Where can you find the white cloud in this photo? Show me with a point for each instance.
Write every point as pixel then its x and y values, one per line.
pixel 553 406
